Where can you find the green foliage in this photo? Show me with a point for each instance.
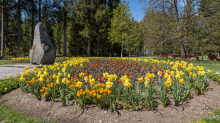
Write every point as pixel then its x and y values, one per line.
pixel 164 32
pixel 9 115
pixel 87 26
pixel 8 84
pixel 214 117
pixel 124 30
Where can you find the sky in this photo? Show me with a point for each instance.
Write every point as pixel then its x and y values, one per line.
pixel 138 13
pixel 135 7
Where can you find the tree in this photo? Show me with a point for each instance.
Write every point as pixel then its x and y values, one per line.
pixel 206 8
pixel 184 21
pixel 7 8
pixel 86 14
pixel 39 10
pixel 134 37
pixel 19 26
pixel 64 27
pixel 158 25
pixel 120 25
pixel 2 35
pixel 32 22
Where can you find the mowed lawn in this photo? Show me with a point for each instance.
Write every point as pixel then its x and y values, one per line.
pixel 3 62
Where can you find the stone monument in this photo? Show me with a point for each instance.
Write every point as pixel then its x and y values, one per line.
pixel 43 50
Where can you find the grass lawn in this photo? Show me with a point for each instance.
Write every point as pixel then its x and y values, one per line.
pixel 3 62
pixel 9 115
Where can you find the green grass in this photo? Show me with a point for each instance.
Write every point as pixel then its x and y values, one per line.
pixel 214 117
pixel 3 62
pixel 204 57
pixel 8 84
pixel 9 115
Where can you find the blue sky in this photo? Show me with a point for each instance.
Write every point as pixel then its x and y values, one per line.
pixel 138 13
pixel 135 7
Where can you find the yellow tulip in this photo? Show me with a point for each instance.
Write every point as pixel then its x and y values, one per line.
pixel 81 75
pixel 127 84
pixel 79 84
pixel 92 81
pixel 22 73
pixel 109 84
pixel 177 76
pixel 26 68
pixel 22 78
pixel 181 81
pixel 141 79
pixel 209 71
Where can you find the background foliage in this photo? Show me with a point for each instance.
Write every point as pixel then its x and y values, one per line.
pixel 98 27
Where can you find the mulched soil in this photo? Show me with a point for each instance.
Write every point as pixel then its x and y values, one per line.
pixel 187 111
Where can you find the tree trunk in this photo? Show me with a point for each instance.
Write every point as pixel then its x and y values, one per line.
pixel 6 36
pixel 39 10
pixel 121 48
pixel 182 47
pixel 2 36
pixel 32 23
pixel 89 47
pixel 176 12
pixel 98 51
pixel 162 30
pixel 64 43
pixel 122 43
pixel 19 27
pixel 6 27
pixel 75 48
pixel 161 50
pixel 104 47
pixel 64 26
pixel 183 51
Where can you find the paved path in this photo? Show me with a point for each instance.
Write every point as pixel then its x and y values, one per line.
pixel 14 70
pixel 21 65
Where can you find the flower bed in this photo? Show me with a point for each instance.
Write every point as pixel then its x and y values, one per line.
pixel 117 83
pixel 8 84
pixel 20 60
pixel 27 60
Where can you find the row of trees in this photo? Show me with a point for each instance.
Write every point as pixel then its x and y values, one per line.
pixel 76 27
pixel 106 27
pixel 184 26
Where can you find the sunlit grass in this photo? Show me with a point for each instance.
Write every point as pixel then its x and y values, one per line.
pixel 9 115
pixel 3 62
pixel 214 117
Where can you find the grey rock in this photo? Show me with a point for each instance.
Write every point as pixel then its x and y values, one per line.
pixel 43 50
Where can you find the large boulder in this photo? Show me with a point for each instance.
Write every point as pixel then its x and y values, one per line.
pixel 43 51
